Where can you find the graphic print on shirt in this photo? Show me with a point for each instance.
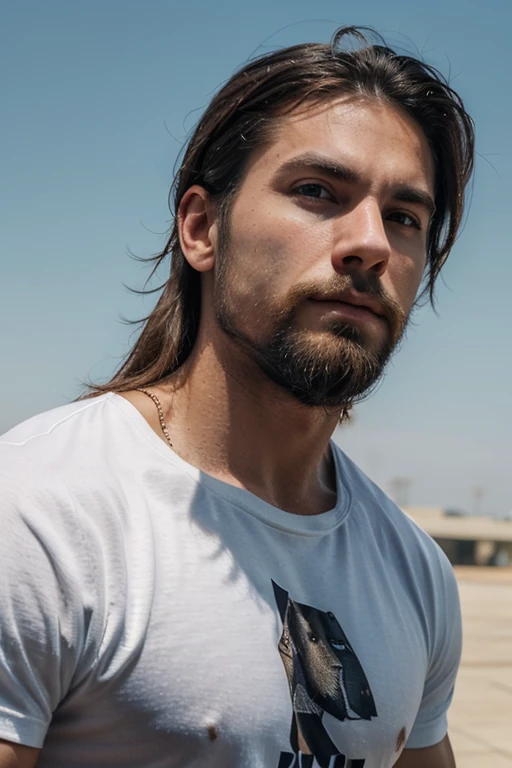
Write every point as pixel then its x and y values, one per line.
pixel 324 675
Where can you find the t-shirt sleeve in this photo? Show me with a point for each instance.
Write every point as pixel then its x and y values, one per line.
pixel 431 723
pixel 41 617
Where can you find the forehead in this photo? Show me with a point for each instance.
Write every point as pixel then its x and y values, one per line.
pixel 380 142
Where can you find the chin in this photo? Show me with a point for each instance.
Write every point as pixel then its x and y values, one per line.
pixel 319 375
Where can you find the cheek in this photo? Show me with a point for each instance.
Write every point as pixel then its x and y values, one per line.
pixel 264 260
pixel 253 282
pixel 279 236
pixel 404 276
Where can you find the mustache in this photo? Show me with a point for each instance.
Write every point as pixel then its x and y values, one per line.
pixel 366 285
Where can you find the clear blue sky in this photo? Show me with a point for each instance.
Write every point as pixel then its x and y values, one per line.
pixel 96 99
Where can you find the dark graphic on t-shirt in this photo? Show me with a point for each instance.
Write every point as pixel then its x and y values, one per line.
pixel 324 675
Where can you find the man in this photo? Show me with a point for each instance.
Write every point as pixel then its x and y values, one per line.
pixel 193 573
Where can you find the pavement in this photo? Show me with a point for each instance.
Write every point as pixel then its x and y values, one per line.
pixel 480 718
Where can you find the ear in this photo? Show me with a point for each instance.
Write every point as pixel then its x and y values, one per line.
pixel 196 218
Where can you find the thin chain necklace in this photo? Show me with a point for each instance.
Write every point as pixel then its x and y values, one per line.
pixel 158 404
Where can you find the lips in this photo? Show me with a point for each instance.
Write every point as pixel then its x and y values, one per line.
pixel 354 300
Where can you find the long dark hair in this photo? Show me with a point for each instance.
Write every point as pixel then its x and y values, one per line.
pixel 242 116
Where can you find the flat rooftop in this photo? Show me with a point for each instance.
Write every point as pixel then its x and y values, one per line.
pixel 480 718
pixel 469 527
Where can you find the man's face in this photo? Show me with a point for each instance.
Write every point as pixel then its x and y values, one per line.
pixel 324 248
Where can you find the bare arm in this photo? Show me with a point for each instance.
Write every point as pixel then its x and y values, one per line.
pixel 17 756
pixel 438 756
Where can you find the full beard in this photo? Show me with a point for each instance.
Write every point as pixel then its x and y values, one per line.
pixel 333 370
pixel 334 367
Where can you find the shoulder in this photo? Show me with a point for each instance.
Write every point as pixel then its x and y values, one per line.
pixel 39 460
pixel 58 424
pixel 76 485
pixel 84 440
pixel 408 550
pixel 410 563
pixel 61 476
pixel 69 480
pixel 62 556
pixel 371 503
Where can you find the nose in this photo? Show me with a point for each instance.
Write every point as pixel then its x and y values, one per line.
pixel 361 242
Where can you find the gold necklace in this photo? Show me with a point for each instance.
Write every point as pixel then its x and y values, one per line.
pixel 158 404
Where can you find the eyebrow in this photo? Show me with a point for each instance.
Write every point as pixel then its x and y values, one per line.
pixel 320 164
pixel 403 193
pixel 406 194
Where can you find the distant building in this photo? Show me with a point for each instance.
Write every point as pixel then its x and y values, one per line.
pixel 466 539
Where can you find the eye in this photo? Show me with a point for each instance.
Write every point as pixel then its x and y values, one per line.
pixel 315 191
pixel 405 219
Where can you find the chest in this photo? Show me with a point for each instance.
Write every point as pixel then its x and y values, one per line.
pixel 266 658
pixel 253 654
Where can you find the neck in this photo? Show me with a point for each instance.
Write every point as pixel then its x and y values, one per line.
pixel 229 420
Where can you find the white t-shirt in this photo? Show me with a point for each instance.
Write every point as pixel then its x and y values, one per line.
pixel 152 616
